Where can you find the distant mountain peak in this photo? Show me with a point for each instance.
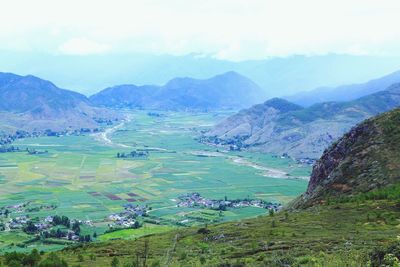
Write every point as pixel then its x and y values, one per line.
pixel 282 104
pixel 37 104
pixel 345 92
pixel 231 74
pixel 228 90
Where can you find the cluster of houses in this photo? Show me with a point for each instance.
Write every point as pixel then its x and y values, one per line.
pixel 301 161
pixel 45 227
pixel 20 222
pixel 6 139
pixel 36 152
pixel 155 114
pixel 127 218
pixel 7 149
pixel 23 208
pixel 134 155
pixel 17 222
pixel 13 221
pixel 306 161
pixel 196 200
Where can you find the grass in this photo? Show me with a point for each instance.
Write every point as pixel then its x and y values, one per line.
pixel 391 192
pixel 147 229
pixel 328 235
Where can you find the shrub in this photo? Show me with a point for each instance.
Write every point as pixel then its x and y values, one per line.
pixel 115 262
pixel 388 256
pixel 53 261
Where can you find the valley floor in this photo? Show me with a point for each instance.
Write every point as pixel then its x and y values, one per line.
pixel 89 179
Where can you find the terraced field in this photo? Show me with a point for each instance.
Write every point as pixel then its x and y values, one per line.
pixel 84 179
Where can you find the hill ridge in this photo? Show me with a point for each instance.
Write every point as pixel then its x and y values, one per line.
pixel 301 132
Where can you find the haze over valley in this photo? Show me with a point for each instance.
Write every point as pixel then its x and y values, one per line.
pixel 199 133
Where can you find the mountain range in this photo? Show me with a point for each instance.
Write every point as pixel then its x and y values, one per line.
pixel 344 92
pixel 226 91
pixel 279 126
pixel 278 76
pixel 276 126
pixel 33 104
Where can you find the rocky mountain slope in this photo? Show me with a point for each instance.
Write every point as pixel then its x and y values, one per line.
pixel 364 159
pixel 344 92
pixel 228 90
pixel 278 126
pixel 33 104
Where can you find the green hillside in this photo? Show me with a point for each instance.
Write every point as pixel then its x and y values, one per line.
pixel 329 235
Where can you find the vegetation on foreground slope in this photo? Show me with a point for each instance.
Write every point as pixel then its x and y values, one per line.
pixel 325 235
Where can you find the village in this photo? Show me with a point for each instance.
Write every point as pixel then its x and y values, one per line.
pixel 127 218
pixel 16 217
pixel 133 155
pixel 196 200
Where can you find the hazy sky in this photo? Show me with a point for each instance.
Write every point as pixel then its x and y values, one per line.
pixel 226 29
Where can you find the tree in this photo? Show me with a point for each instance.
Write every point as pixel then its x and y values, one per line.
pixel 136 225
pixel 65 221
pixel 80 258
pixel 94 235
pixel 32 259
pixel 146 251
pixel 14 259
pixel 30 228
pixel 56 220
pixel 76 228
pixel 53 261
pixel 222 207
pixel 271 212
pixel 87 238
pixel 115 262
pixel 59 233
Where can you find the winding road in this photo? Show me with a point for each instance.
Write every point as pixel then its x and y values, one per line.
pixel 104 137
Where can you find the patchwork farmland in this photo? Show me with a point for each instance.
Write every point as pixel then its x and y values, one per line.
pixel 84 179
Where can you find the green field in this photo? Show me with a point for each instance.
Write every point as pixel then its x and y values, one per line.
pixel 84 179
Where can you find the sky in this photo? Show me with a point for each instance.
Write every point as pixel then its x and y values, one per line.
pixel 233 30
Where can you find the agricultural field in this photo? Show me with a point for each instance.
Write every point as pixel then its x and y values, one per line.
pixel 81 177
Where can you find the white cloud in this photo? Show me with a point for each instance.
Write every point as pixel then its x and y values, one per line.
pixel 231 29
pixel 82 46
